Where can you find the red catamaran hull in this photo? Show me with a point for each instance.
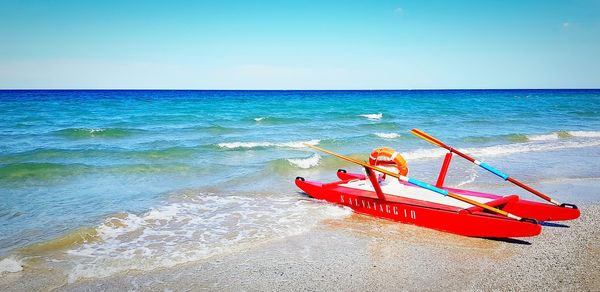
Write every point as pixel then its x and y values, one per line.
pixel 468 222
pixel 512 204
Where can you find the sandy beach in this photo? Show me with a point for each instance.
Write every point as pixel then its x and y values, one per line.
pixel 361 253
pixel 219 146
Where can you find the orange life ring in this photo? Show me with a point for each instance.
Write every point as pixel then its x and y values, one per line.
pixel 387 156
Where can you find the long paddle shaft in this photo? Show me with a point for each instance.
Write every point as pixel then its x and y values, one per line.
pixel 483 165
pixel 420 184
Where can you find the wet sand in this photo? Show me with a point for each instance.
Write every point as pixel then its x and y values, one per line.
pixel 362 253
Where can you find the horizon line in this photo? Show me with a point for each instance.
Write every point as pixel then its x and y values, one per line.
pixel 312 89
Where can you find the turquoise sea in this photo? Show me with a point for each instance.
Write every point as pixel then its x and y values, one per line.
pixel 106 181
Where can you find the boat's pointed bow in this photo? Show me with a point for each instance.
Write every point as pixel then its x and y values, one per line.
pixel 312 188
pixel 520 229
pixel 569 212
pixel 534 229
pixel 344 175
pixel 567 215
pixel 543 211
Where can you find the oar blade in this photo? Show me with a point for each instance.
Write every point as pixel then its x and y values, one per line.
pixel 427 138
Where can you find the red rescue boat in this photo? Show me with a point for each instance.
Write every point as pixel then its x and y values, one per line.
pixel 390 194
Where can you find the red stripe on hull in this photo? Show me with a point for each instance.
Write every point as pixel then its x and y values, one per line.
pixel 431 215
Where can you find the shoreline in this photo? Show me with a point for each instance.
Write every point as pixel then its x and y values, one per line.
pixel 365 253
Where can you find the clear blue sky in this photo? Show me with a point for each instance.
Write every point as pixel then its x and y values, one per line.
pixel 300 45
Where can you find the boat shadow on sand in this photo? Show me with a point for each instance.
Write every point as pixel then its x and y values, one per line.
pixel 520 241
pixel 552 224
pixel 508 240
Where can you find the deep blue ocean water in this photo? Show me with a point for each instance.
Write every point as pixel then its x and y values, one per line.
pixel 82 159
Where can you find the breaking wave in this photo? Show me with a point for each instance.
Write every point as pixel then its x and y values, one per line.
pixel 546 137
pixel 306 162
pixel 189 228
pixel 505 149
pixel 253 145
pixel 535 137
pixel 587 134
pixel 274 121
pixel 387 135
pixel 327 162
pixel 374 117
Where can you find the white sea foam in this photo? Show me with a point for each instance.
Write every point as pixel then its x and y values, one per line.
pixel 10 265
pixel 588 134
pixel 545 137
pixel 259 119
pixel 499 150
pixel 387 135
pixel 424 153
pixel 505 149
pixel 374 117
pixel 193 228
pixel 306 162
pixel 471 178
pixel 557 135
pixel 234 145
pixel 298 144
pixel 293 144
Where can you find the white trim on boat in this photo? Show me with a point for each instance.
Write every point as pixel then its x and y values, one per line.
pixel 394 188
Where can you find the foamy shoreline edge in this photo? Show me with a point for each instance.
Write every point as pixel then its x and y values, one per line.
pixel 362 252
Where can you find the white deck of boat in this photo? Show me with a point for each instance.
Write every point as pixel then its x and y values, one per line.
pixel 395 188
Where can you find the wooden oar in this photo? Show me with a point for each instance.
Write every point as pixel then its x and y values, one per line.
pixel 483 165
pixel 424 185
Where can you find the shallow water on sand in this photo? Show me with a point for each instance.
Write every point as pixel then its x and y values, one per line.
pixel 100 182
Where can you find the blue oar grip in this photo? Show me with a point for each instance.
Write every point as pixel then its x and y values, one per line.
pixel 426 186
pixel 494 171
